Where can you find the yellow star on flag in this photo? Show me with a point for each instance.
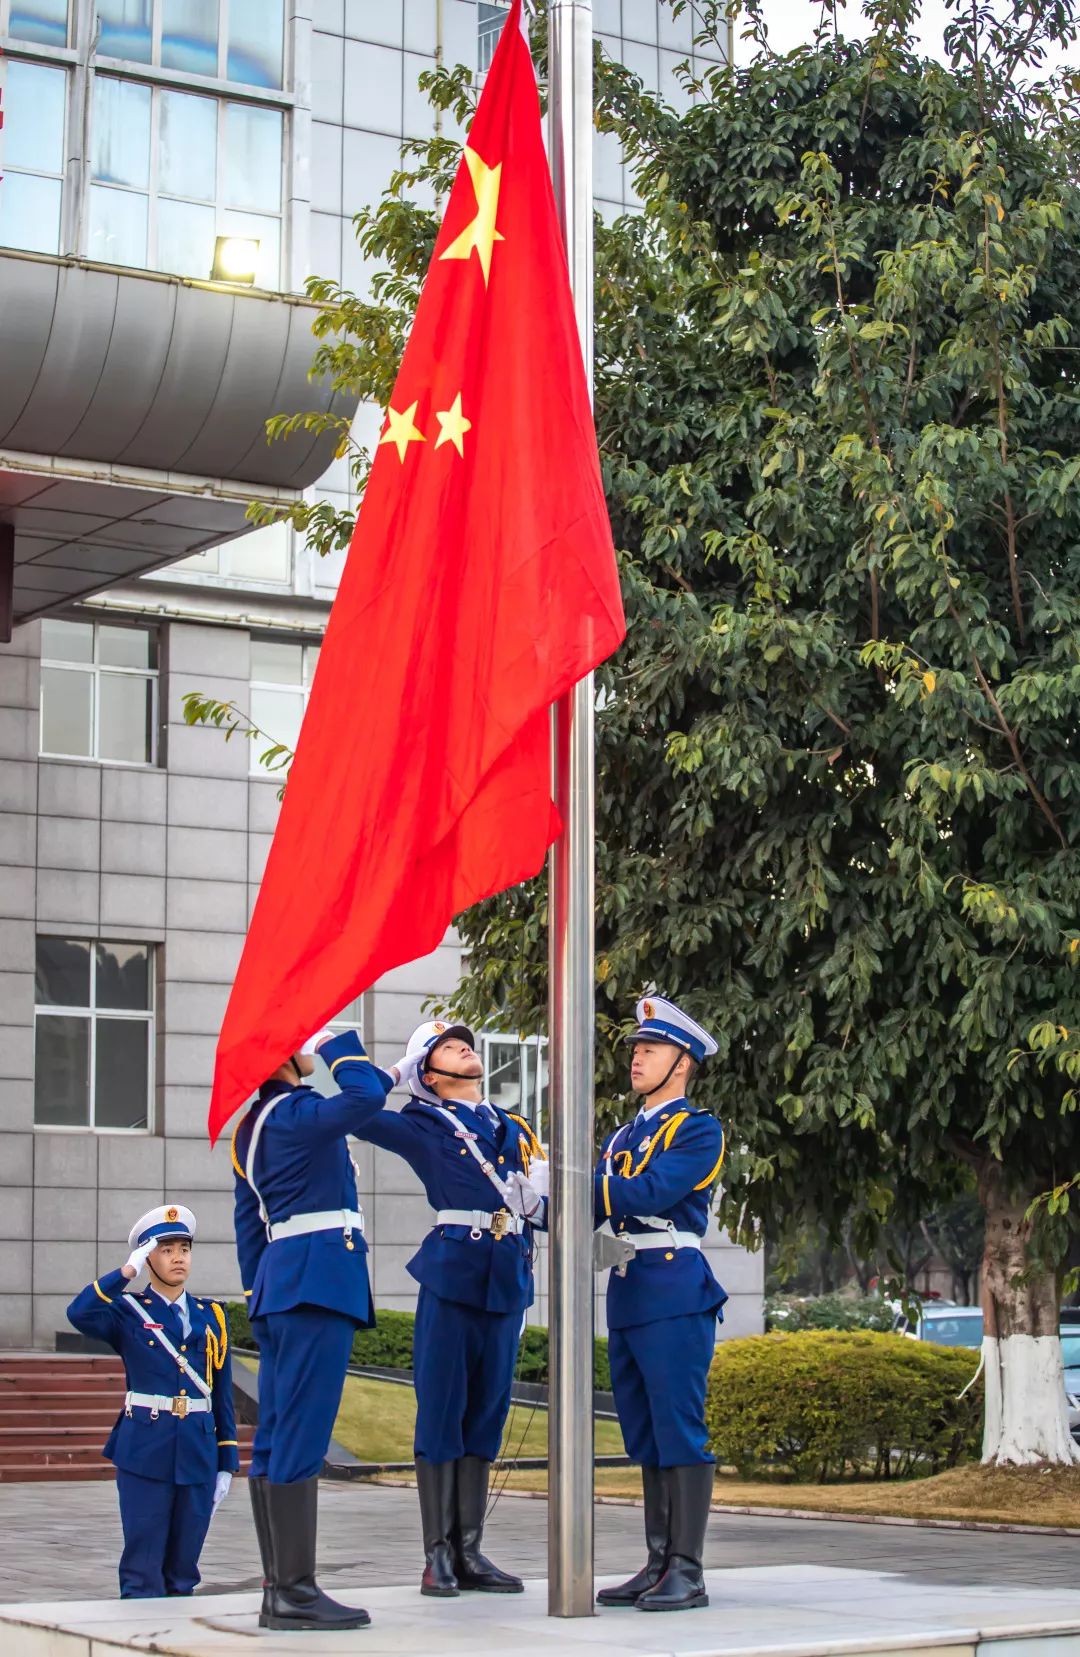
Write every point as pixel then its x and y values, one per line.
pixel 401 431
pixel 480 233
pixel 454 426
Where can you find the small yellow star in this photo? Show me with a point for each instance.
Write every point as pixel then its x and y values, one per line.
pixel 480 233
pixel 401 431
pixel 454 426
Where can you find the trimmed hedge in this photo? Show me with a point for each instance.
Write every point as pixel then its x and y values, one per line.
pixel 828 1404
pixel 390 1346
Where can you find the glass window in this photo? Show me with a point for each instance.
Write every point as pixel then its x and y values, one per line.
pixel 261 556
pixel 516 1075
pixel 121 142
pixel 256 39
pixel 42 21
pixel 490 20
pixel 189 36
pixel 185 238
pixel 118 225
pixel 34 123
pixel 187 135
pixel 98 692
pixel 252 158
pixel 93 1036
pixel 127 29
pixel 281 676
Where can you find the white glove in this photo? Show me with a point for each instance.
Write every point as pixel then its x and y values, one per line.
pixel 523 1198
pixel 138 1257
pixel 408 1067
pixel 540 1178
pixel 313 1042
pixel 221 1489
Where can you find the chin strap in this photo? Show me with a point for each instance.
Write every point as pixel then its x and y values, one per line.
pixel 451 1075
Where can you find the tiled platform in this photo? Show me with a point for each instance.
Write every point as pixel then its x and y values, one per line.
pixel 779 1610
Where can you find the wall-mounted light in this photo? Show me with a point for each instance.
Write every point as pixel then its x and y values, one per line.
pixel 236 259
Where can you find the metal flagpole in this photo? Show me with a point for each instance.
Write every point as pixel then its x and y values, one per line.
pixel 570 1416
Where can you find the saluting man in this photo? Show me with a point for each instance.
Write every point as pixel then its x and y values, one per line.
pixel 174 1444
pixel 300 1241
pixel 653 1187
pixel 476 1280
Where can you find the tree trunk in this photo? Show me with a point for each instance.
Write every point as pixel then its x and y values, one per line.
pixel 1026 1416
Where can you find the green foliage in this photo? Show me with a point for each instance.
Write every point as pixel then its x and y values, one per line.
pixel 828 1405
pixel 389 1345
pixel 792 1313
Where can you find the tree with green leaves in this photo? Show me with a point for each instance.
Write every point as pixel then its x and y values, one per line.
pixel 839 754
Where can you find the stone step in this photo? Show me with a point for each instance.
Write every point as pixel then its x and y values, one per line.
pixel 82 1379
pixel 53 1363
pixel 41 1472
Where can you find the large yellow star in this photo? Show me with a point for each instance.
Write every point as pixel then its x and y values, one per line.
pixel 454 426
pixel 401 431
pixel 480 233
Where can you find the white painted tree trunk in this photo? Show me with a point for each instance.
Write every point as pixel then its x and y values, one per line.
pixel 1026 1415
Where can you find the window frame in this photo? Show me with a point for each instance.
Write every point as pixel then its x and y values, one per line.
pixel 222 95
pixel 303 690
pixel 36 58
pixel 31 48
pixel 486 32
pixel 94 669
pixel 91 1013
pixel 531 1069
pixel 221 78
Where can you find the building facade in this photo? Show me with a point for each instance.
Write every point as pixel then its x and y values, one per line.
pixel 137 135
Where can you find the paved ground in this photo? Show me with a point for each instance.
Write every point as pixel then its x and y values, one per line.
pixel 62 1541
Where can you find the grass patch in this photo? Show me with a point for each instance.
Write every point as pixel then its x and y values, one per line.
pixel 998 1495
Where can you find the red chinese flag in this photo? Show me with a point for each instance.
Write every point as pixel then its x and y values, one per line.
pixel 480 586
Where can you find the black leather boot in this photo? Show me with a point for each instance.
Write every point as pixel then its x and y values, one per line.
pixel 295 1599
pixel 435 1485
pixel 257 1491
pixel 654 1482
pixel 474 1572
pixel 682 1586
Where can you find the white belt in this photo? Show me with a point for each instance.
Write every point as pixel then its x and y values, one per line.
pixel 499 1224
pixel 661 1239
pixel 346 1220
pixel 158 1405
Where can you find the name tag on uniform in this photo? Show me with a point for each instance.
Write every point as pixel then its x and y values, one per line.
pixel 153 1326
pixel 462 1134
pixel 645 1143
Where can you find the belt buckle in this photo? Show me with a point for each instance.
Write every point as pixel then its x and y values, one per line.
pixel 180 1406
pixel 500 1223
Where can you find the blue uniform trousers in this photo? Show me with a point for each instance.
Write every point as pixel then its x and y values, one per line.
pixel 165 1526
pixel 303 1355
pixel 658 1375
pixel 463 1370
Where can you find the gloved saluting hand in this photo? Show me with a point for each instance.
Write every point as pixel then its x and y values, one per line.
pixel 137 1259
pixel 523 1198
pixel 314 1042
pixel 408 1067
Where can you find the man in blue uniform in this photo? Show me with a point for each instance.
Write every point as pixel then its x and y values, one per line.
pixel 300 1241
pixel 174 1444
pixel 476 1281
pixel 653 1187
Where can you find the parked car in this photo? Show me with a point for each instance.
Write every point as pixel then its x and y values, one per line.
pixel 944 1324
pixel 1070 1352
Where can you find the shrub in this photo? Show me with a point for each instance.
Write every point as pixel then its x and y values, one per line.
pixel 390 1346
pixel 837 1311
pixel 826 1404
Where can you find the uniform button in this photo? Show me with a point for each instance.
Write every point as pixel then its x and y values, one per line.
pixel 463 1151
pixel 183 1349
pixel 183 1392
pixel 502 1159
pixel 669 1257
pixel 149 1343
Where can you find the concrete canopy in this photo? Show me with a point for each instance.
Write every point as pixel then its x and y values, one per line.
pixel 132 419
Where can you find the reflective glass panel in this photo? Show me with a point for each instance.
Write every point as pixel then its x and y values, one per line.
pixel 67 641
pixel 122 1073
pixel 351 1013
pixel 185 238
pixel 125 728
pixel 67 712
pixel 127 647
pixel 267 232
pixel 126 29
pixel 62 1071
pixel 252 158
pixel 311 661
pixel 30 213
pixel 62 972
pixel 42 20
pixel 117 226
pixel 504 1079
pixel 187 156
pixel 189 36
pixel 263 555
pixel 123 977
pixel 34 117
pixel 281 664
pixel 256 34
pixel 121 146
pixel 277 713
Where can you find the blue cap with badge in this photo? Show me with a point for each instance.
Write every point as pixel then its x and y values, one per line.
pixel 170 1220
pixel 660 1020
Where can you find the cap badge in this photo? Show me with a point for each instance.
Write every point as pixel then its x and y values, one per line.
pixel 172 1215
pixel 648 1009
pixel 438 1028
